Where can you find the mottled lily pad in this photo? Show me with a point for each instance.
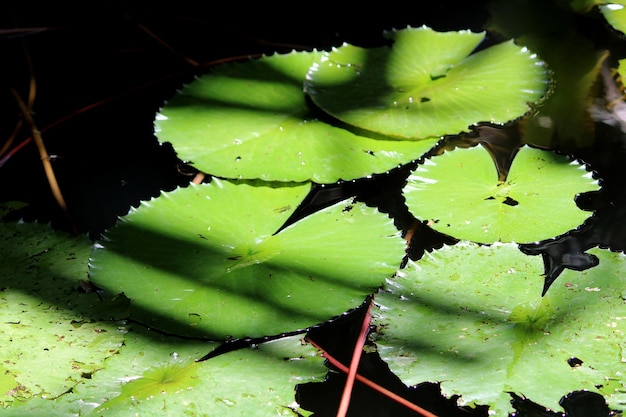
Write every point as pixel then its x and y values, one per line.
pixel 51 336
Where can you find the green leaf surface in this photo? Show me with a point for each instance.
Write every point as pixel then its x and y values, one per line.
pixel 155 375
pixel 251 120
pixel 428 84
pixel 249 382
pixel 62 356
pixel 472 317
pixel 460 195
pixel 49 338
pixel 207 261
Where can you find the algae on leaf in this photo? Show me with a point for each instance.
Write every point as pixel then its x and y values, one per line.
pixel 51 337
pixel 155 374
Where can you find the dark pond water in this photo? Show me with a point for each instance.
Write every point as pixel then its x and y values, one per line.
pixel 100 79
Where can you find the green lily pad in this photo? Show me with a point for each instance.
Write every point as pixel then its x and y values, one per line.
pixel 250 382
pixel 428 84
pixel 50 339
pixel 472 317
pixel 206 260
pixel 460 195
pixel 251 119
pixel 156 375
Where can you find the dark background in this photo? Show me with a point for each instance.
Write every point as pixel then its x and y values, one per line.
pixel 102 70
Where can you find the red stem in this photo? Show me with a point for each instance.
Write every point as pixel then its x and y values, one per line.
pixel 389 394
pixel 354 364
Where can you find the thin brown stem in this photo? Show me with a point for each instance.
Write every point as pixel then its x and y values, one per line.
pixel 9 142
pixel 32 93
pixel 45 158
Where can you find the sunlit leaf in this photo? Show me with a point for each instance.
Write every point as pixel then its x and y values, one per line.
pixel 171 377
pixel 155 375
pixel 207 261
pixel 472 317
pixel 460 194
pixel 251 120
pixel 427 84
pixel 250 382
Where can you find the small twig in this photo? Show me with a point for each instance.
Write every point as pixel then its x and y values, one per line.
pixel 45 158
pixel 104 101
pixel 389 394
pixel 32 93
pixel 9 142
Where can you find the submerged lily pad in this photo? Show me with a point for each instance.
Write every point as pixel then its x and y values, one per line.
pixel 562 120
pixel 460 195
pixel 251 120
pixel 472 317
pixel 207 261
pixel 428 84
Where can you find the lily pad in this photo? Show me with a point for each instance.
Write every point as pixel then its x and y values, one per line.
pixel 208 261
pixel 51 340
pixel 156 375
pixel 251 120
pixel 460 195
pixel 472 317
pixel 428 84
